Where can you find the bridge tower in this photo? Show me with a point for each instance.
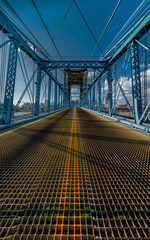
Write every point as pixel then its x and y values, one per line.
pixel 75 77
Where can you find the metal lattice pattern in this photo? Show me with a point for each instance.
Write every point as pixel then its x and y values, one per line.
pixel 74 175
pixel 136 82
pixel 76 64
pixel 10 82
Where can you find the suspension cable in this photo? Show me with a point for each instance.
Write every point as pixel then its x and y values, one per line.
pixel 47 29
pixel 47 54
pixel 8 5
pixel 27 77
pixel 61 23
pixel 23 74
pixel 106 26
pixel 88 25
pixel 133 15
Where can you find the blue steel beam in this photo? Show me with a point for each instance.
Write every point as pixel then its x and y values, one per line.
pixel 20 32
pixel 49 95
pixel 10 83
pixel 136 82
pixel 93 105
pixel 55 92
pixel 38 89
pixel 143 45
pixel 146 112
pixel 55 97
pixel 90 98
pixel 136 32
pixel 76 64
pixel 99 102
pixel 59 98
pixel 109 80
pixel 5 43
pixel 7 27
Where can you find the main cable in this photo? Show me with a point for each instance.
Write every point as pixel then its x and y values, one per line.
pixel 135 13
pixel 61 23
pixel 47 29
pixel 106 27
pixel 9 6
pixel 87 26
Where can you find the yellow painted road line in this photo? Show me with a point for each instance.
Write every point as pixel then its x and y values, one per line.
pixel 77 206
pixel 60 218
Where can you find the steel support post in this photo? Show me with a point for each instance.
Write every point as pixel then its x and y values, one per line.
pixel 86 101
pixel 136 82
pixel 55 97
pixel 64 97
pixel 83 101
pixel 38 90
pixel 59 99
pixel 109 79
pixel 55 94
pixel 49 95
pixel 93 107
pixel 145 73
pixel 99 102
pixel 80 101
pixel 65 101
pixel 68 101
pixel 90 99
pixel 10 83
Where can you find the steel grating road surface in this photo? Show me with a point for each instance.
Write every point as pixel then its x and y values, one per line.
pixel 74 175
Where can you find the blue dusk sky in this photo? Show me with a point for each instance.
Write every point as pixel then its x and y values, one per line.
pixel 74 38
pixel 74 41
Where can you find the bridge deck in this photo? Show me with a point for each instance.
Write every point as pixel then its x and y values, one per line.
pixel 74 175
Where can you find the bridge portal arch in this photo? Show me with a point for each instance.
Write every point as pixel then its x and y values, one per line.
pixel 75 77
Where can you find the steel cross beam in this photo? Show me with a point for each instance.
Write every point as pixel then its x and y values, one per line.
pixel 76 64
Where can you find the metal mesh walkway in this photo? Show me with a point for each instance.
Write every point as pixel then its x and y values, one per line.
pixel 72 176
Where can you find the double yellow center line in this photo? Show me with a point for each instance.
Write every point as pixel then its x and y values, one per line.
pixel 59 227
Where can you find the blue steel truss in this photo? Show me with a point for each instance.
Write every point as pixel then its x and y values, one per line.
pixel 109 79
pixel 136 82
pixel 10 83
pixel 99 100
pixel 38 89
pixel 49 94
pixel 17 39
pixel 76 64
pixel 93 107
